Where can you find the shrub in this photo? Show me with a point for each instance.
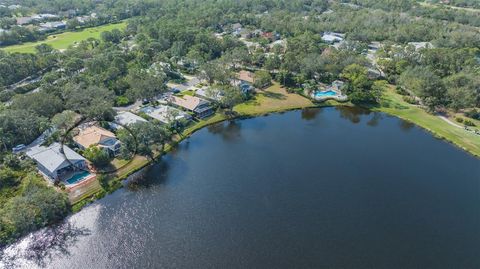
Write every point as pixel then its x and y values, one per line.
pixel 474 114
pixel 122 101
pixel 468 123
pixel 410 99
pixel 98 156
pixel 401 91
pixel 459 120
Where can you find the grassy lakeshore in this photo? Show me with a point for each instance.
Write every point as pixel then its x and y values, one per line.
pixel 393 104
pixel 272 99
pixel 64 40
pixel 277 99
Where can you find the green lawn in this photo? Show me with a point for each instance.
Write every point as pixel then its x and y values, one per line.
pixel 218 117
pixel 273 99
pixel 84 191
pixel 392 103
pixel 64 40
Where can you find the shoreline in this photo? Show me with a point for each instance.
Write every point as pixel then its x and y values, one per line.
pixel 124 173
pixel 169 147
pixel 219 117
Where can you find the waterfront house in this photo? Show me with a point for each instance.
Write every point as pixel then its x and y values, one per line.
pixel 337 86
pixel 125 118
pixel 97 136
pixel 200 107
pixel 246 76
pixel 166 114
pixel 213 94
pixel 244 81
pixel 57 162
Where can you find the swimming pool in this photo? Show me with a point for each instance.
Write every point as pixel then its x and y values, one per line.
pixel 325 93
pixel 77 177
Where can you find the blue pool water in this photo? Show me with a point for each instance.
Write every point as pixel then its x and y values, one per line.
pixel 77 177
pixel 325 93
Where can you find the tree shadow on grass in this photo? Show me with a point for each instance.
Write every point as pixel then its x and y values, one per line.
pixel 274 95
pixel 107 169
pixel 389 104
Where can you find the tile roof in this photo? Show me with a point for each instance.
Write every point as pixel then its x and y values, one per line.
pixel 92 135
pixel 188 102
pixel 246 76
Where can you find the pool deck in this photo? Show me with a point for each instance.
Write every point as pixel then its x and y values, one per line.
pixel 338 97
pixel 83 181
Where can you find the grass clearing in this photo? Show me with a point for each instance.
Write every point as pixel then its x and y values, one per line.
pixel 273 99
pixel 84 191
pixel 392 103
pixel 64 40
pixel 136 163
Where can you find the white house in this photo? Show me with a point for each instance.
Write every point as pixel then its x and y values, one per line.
pixel 125 118
pixel 332 37
pixel 56 162
pixel 165 114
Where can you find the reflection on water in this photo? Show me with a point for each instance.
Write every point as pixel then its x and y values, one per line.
pixel 230 131
pixel 279 192
pixel 41 247
pixel 145 180
pixel 406 125
pixel 310 113
pixel 376 117
pixel 353 114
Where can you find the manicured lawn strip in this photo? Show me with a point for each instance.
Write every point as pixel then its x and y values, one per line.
pixel 203 123
pixel 64 40
pixel 392 103
pixel 277 99
pixel 272 99
pixel 88 191
pixel 137 163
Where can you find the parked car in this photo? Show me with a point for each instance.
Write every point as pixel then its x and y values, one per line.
pixel 18 148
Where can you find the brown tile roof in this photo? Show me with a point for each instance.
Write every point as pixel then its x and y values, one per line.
pixel 187 101
pixel 92 135
pixel 246 76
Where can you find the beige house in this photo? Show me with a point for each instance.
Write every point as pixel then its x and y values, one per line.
pixel 246 76
pixel 199 106
pixel 97 136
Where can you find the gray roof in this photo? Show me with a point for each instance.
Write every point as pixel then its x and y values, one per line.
pixel 165 114
pixel 52 158
pixel 126 118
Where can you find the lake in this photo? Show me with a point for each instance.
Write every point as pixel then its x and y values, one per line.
pixel 319 188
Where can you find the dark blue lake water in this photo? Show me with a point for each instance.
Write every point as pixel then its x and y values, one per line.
pixel 321 188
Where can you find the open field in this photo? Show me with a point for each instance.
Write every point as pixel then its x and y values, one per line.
pixel 392 103
pixel 425 4
pixel 273 99
pixel 64 40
